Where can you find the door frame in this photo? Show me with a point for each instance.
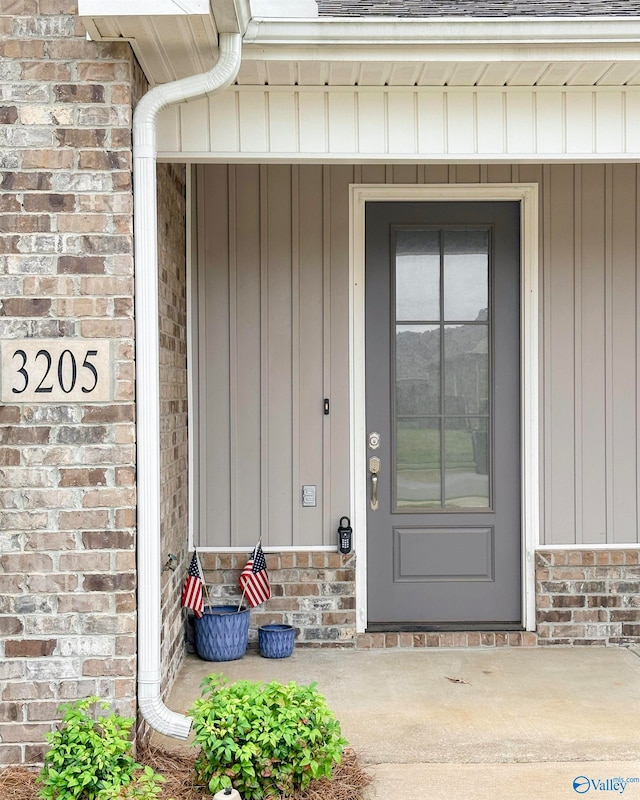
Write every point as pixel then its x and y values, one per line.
pixel 527 195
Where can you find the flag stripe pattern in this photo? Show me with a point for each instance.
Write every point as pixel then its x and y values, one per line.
pixel 254 579
pixel 192 591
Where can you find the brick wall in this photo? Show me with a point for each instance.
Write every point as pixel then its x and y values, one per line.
pixel 588 597
pixel 174 509
pixel 67 481
pixel 314 592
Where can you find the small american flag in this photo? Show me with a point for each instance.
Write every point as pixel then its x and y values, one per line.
pixel 254 580
pixel 192 591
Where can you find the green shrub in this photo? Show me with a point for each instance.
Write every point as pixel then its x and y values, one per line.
pixel 90 759
pixel 264 740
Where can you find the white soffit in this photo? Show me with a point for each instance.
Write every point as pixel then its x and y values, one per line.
pixel 175 38
pixel 171 38
pixel 442 51
pixel 439 73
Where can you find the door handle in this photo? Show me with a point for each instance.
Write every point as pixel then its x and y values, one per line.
pixel 374 469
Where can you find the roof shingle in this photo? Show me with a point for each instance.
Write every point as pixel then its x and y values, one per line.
pixel 479 8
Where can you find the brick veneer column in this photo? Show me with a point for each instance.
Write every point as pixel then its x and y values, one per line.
pixel 588 597
pixel 67 481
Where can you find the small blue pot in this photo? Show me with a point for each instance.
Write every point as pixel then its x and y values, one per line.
pixel 222 633
pixel 276 641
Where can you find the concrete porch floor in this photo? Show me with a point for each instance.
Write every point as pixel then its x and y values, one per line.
pixel 524 723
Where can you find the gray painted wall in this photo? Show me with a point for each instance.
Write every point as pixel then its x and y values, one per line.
pixel 272 274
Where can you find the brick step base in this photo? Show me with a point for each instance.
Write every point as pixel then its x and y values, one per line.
pixel 368 641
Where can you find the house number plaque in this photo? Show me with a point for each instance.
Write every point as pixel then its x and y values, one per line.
pixel 56 371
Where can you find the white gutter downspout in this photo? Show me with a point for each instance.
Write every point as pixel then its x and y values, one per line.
pixel 153 709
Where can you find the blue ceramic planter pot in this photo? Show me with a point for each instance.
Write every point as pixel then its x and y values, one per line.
pixel 222 633
pixel 276 641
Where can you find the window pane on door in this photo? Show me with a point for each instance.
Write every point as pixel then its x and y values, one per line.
pixel 466 369
pixel 466 462
pixel 417 370
pixel 466 275
pixel 417 261
pixel 418 473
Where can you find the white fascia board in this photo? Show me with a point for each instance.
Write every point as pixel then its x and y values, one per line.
pixel 389 32
pixel 142 8
pixel 284 9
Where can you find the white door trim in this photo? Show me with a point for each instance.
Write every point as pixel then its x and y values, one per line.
pixel 527 195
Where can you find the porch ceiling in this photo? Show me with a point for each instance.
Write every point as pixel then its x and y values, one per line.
pixel 377 52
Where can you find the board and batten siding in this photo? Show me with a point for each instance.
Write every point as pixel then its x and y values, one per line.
pixel 395 123
pixel 273 275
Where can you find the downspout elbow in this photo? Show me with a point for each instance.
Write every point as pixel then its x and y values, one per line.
pixel 161 718
pixel 183 90
pixel 150 702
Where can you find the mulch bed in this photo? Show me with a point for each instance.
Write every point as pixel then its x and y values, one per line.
pixel 348 782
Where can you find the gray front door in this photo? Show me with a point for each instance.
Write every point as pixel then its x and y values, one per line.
pixel 443 394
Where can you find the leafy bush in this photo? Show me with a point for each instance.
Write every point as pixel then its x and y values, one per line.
pixel 89 758
pixel 264 740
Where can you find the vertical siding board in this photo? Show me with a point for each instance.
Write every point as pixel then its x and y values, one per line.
pixel 246 470
pixel 342 122
pixel 195 134
pixel 432 124
pixel 252 113
pixel 312 121
pixel 223 122
pixel 265 488
pixel 168 130
pixel 609 122
pixel 341 177
pixel 372 173
pixel 624 412
pixel 295 356
pixel 632 121
pixel 577 354
pixel 327 455
pixel 637 340
pixel 213 267
pixel 520 122
pixel 608 321
pixel 579 122
pixel 491 123
pixel 501 173
pixel 311 323
pixel 235 368
pixel 436 173
pixel 591 475
pixel 460 122
pixel 283 123
pixel 402 122
pixel 468 173
pixel 560 467
pixel 371 122
pixel 404 173
pixel 279 346
pixel 549 122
